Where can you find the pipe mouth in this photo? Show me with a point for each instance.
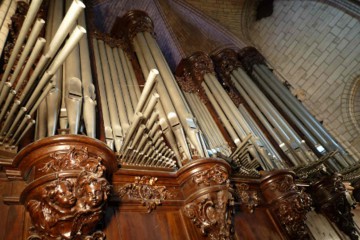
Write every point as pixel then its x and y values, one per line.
pixel 41 39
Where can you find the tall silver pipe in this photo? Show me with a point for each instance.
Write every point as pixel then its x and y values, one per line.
pixel 103 98
pixel 33 56
pixel 89 104
pixel 126 86
pixel 130 77
pixel 118 93
pixel 299 110
pixel 221 115
pixel 39 23
pixel 181 107
pixel 269 110
pixel 29 18
pixel 221 102
pixel 113 108
pixel 122 81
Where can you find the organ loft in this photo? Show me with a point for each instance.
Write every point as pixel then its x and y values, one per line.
pixel 179 119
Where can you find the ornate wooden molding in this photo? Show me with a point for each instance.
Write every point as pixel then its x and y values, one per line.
pixel 190 73
pixel 330 199
pixel 68 188
pixel 225 61
pixel 137 21
pixel 287 203
pixel 249 199
pixel 215 174
pixel 212 213
pixel 250 56
pixel 144 190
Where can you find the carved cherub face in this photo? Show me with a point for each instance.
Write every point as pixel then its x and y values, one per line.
pixel 63 194
pixel 94 195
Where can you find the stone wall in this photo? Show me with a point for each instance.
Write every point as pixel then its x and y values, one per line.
pixel 316 48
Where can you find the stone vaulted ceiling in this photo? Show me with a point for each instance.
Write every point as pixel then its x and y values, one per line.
pixel 182 27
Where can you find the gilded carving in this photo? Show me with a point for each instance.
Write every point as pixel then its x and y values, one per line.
pixel 248 198
pixel 145 191
pixel 212 213
pixel 215 174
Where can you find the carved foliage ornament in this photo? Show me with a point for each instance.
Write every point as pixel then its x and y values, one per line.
pixel 285 184
pixel 292 214
pixel 248 198
pixel 250 56
pixel 138 21
pixel 212 213
pixel 145 191
pixel 70 208
pixel 215 174
pixel 225 62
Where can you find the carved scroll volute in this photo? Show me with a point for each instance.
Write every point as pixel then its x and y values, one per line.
pixel 209 200
pixel 329 199
pixel 250 56
pixel 68 187
pixel 287 203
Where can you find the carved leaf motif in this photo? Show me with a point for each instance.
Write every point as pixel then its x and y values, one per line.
pixel 215 174
pixel 292 214
pixel 283 185
pixel 248 198
pixel 143 189
pixel 74 159
pixel 212 215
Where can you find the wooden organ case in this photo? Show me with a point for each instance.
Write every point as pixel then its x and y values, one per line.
pixel 123 148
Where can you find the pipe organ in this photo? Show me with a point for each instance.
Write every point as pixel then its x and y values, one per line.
pixel 219 143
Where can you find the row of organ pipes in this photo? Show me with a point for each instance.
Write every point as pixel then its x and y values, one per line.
pixel 167 120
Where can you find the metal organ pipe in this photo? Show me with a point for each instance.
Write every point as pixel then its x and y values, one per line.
pixel 299 110
pixel 173 90
pixel 104 102
pixel 89 103
pixel 113 109
pixel 114 79
pixel 29 18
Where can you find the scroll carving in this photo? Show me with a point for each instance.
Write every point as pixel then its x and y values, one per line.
pixel 145 191
pixel 212 213
pixel 249 199
pixel 215 174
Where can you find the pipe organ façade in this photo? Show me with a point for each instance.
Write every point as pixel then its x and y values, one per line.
pixel 102 133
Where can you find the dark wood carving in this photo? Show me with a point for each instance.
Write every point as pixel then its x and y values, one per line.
pixel 250 56
pixel 329 199
pixel 144 190
pixel 248 199
pixel 212 213
pixel 68 188
pixel 210 205
pixel 287 203
pixel 136 21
